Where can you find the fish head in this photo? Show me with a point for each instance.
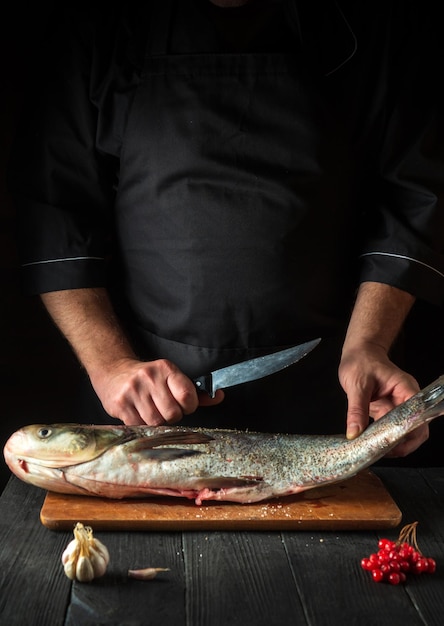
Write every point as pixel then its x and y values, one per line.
pixel 37 453
pixel 52 445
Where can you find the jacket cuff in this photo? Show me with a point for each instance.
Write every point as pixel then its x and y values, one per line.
pixel 60 274
pixel 417 277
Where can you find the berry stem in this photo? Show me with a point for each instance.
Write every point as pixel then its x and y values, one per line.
pixel 408 535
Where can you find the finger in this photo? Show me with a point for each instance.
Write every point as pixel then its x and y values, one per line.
pixel 183 393
pixel 137 407
pixel 357 414
pixel 162 408
pixel 206 400
pixel 144 411
pixel 131 417
pixel 380 407
pixel 155 401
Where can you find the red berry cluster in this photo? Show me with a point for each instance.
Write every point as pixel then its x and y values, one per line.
pixel 395 559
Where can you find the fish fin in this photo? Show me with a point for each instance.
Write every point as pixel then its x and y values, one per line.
pixel 169 438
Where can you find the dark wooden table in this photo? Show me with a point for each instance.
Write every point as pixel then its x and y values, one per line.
pixel 237 578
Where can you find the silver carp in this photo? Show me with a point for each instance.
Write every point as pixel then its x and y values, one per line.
pixel 203 464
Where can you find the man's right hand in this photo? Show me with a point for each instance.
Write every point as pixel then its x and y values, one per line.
pixel 154 392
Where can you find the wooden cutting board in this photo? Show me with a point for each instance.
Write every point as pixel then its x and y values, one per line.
pixel 359 503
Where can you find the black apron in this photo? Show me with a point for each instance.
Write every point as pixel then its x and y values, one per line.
pixel 233 216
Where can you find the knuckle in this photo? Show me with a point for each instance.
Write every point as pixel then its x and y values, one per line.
pixel 127 390
pixel 188 400
pixel 173 415
pixel 166 366
pixel 357 413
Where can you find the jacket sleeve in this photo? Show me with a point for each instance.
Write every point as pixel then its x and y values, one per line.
pixel 404 245
pixel 63 186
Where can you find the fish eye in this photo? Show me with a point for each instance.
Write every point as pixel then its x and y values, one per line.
pixel 44 433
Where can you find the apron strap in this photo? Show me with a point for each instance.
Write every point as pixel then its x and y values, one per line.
pixel 159 29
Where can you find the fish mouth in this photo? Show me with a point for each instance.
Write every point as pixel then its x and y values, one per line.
pixel 23 466
pixel 38 475
pixel 35 462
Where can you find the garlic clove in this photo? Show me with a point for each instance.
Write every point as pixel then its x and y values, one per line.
pixel 84 570
pixel 70 568
pixel 100 548
pixel 146 574
pixel 71 551
pixel 98 562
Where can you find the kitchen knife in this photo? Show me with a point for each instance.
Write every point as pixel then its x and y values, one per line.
pixel 246 371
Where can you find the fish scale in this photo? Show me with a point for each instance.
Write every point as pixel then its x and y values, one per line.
pixel 205 464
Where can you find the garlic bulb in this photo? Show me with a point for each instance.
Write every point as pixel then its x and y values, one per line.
pixel 85 557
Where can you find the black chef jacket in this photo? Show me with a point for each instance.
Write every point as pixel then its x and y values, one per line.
pixel 372 210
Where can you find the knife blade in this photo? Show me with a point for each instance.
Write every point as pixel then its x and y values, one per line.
pixel 252 369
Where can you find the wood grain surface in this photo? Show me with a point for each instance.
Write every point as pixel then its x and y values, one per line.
pixel 360 503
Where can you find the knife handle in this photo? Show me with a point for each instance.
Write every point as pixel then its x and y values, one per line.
pixel 204 383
